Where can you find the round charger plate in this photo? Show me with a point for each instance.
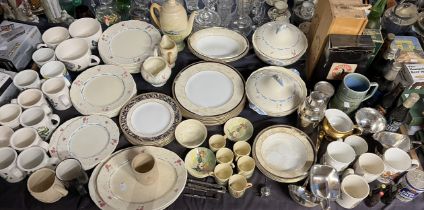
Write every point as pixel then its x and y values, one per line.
pixel 128 43
pixel 90 139
pixel 218 44
pixel 208 88
pixel 102 90
pixel 150 119
pixel 275 91
pixel 118 187
pixel 56 134
pixel 283 153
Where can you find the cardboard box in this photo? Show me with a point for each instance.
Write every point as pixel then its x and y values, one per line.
pixel 411 76
pixel 8 91
pixel 333 17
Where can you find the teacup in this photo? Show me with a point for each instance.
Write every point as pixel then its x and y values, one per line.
pixel 5 134
pixel 156 71
pixel 246 166
pixel 217 142
pixel 370 166
pixel 396 161
pixel 55 69
pixel 241 148
pixel 41 119
pixel 237 185
pixel 337 125
pixel 226 156
pixel 43 55
pixel 168 50
pixel 34 158
pixel 30 98
pixel 222 173
pixel 72 175
pixel 8 168
pixel 357 143
pixel 339 155
pixel 57 92
pixel 10 114
pixel 238 129
pixel 53 37
pixel 145 169
pixel 27 79
pixel 191 133
pixel 45 187
pixel 353 189
pixel 27 137
pixel 88 29
pixel 76 54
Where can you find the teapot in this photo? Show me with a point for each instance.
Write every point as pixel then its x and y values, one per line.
pixel 173 21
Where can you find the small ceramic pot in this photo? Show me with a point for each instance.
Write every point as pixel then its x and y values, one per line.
pixel 191 133
pixel 156 71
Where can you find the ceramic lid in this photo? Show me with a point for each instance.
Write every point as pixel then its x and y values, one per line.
pixel 279 40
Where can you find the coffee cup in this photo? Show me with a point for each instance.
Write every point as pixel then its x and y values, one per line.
pixel 72 175
pixel 55 69
pixel 5 134
pixel 370 166
pixel 30 98
pixel 354 89
pixel 357 143
pixel 34 158
pixel 156 71
pixel 337 124
pixel 353 190
pixel 45 187
pixel 339 155
pixel 88 29
pixel 237 185
pixel 222 173
pixel 9 170
pixel 226 156
pixel 145 169
pixel 43 55
pixel 396 161
pixel 246 166
pixel 57 92
pixel 27 79
pixel 168 50
pixel 10 114
pixel 53 37
pixel 41 119
pixel 76 54
pixel 216 142
pixel 241 148
pixel 27 137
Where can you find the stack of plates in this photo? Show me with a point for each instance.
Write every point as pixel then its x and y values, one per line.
pixel 112 184
pixel 102 90
pixel 90 139
pixel 283 153
pixel 150 119
pixel 128 44
pixel 209 92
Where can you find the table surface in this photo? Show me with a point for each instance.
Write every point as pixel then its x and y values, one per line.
pixel 16 196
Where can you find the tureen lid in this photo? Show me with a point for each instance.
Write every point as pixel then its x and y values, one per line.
pixel 280 40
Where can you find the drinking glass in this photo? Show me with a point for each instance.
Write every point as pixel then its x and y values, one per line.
pixel 242 23
pixel 225 11
pixel 207 17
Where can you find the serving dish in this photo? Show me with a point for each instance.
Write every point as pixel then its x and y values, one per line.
pixel 191 133
pixel 238 129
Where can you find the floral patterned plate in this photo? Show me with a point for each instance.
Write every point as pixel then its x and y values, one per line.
pixel 90 139
pixel 119 189
pixel 200 162
pixel 56 134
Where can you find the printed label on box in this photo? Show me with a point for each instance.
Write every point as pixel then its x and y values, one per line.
pixel 339 70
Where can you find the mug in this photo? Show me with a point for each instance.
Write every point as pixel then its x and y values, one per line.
pixel 57 92
pixel 156 71
pixel 237 185
pixel 41 119
pixel 222 173
pixel 241 148
pixel 45 187
pixel 357 143
pixel 168 50
pixel 337 124
pixel 339 155
pixel 53 37
pixel 72 175
pixel 42 56
pixel 246 166
pixel 76 54
pixel 10 114
pixel 55 69
pixel 145 168
pixel 5 134
pixel 353 190
pixel 354 89
pixel 9 170
pixel 88 29
pixel 27 137
pixel 34 158
pixel 216 142
pixel 396 161
pixel 370 166
pixel 30 98
pixel 225 155
pixel 27 79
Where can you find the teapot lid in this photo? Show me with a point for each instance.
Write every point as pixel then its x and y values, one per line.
pixel 404 13
pixel 280 40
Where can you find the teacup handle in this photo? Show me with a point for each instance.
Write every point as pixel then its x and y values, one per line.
pixel 56 118
pixel 357 130
pixel 14 101
pixel 65 100
pixel 44 145
pixel 18 173
pixel 60 190
pixel 373 89
pixel 414 164
pixel 46 109
pixel 41 45
pixel 248 185
pixel 96 60
pixel 348 172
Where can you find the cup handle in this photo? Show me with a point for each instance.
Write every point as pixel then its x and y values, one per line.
pixel 53 162
pixel 154 7
pixel 96 60
pixel 46 109
pixel 17 172
pixel 44 145
pixel 67 82
pixel 373 88
pixel 14 101
pixel 348 172
pixel 357 130
pixel 41 45
pixel 414 164
pixel 248 185
pixel 65 100
pixel 57 118
pixel 60 189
